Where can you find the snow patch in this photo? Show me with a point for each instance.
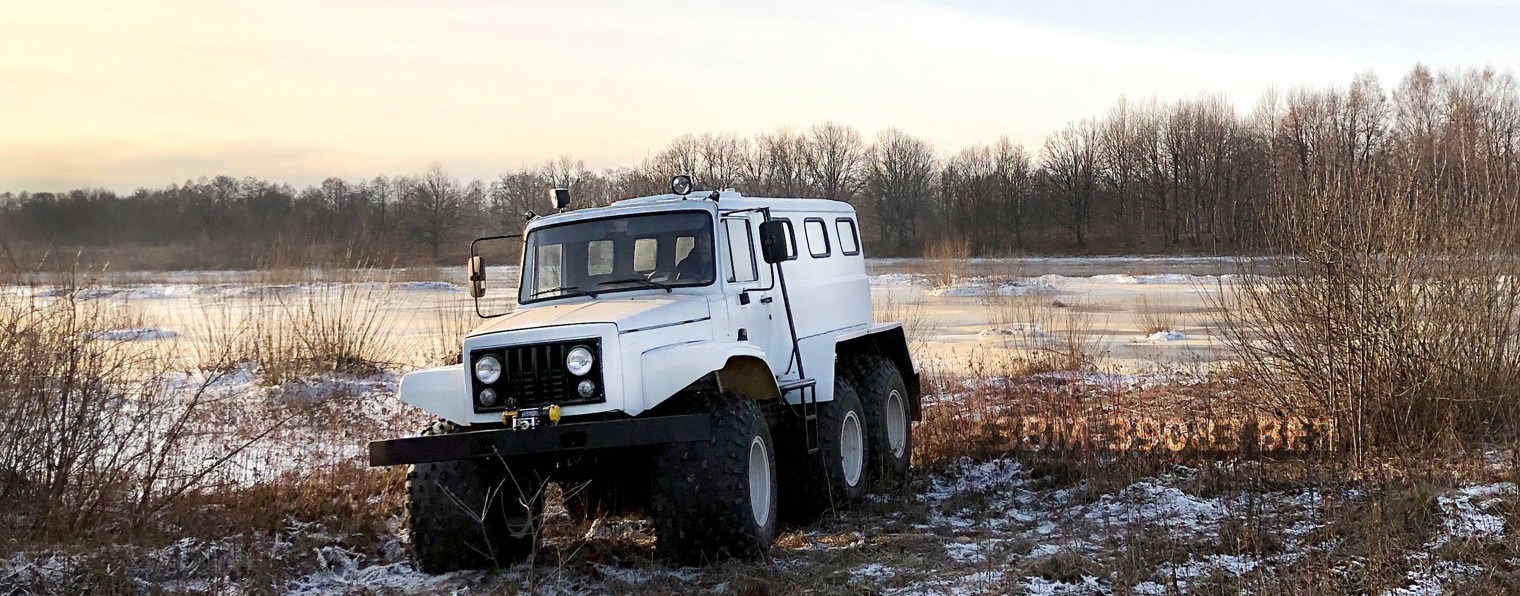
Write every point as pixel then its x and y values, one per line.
pixel 897 279
pixel 873 571
pixel 1024 329
pixel 1163 336
pixel 1467 512
pixel 426 286
pixel 982 287
pixel 1045 587
pixel 137 334
pixel 1148 503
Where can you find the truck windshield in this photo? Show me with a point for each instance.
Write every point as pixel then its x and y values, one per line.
pixel 637 252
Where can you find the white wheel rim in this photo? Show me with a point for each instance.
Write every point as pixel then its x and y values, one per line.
pixel 851 448
pixel 897 424
pixel 759 481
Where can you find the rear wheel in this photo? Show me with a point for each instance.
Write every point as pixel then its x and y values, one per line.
pixel 471 514
pixel 889 419
pixel 716 499
pixel 836 475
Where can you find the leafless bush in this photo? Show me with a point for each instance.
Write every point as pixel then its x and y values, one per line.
pixel 1048 335
pixel 340 326
pixel 918 324
pixel 1399 313
pixel 1152 318
pixel 94 430
pixel 948 259
pixel 450 326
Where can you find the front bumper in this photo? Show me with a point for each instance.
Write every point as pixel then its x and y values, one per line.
pixel 559 438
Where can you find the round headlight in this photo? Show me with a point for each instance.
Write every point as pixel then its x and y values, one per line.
pixel 488 369
pixel 579 361
pixel 586 388
pixel 488 397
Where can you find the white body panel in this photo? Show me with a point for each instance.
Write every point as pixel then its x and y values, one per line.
pixel 655 343
pixel 669 369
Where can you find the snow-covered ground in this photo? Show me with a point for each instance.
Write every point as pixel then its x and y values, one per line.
pixel 1000 526
pixel 976 527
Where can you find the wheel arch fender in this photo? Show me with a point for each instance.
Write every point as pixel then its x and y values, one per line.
pixel 889 341
pixel 740 367
pixel 443 392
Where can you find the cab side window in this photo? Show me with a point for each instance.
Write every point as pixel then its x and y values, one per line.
pixel 817 237
pixel 849 239
pixel 791 238
pixel 741 251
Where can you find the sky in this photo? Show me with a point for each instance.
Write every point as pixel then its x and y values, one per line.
pixel 121 95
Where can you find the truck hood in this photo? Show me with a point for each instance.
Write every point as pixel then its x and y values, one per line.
pixel 628 314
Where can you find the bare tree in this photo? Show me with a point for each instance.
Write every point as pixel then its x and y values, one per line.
pixel 1014 187
pixel 1070 172
pixel 435 203
pixel 777 165
pixel 834 154
pixel 899 184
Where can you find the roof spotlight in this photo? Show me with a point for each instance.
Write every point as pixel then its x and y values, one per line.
pixel 681 185
pixel 559 198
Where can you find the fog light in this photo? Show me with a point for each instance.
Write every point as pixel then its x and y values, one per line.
pixel 586 388
pixel 488 397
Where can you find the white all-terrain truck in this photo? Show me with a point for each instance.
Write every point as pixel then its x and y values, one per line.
pixel 704 357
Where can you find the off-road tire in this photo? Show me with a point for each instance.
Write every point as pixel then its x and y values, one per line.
pixel 877 379
pixel 702 490
pixel 471 514
pixel 823 483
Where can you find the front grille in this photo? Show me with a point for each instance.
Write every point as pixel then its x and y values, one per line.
pixel 535 375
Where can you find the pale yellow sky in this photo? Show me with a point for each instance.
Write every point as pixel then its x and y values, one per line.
pixel 121 95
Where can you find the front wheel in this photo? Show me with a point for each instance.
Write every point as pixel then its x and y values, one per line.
pixel 716 499
pixel 471 514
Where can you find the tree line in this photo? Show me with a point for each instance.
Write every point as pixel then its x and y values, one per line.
pixel 1195 175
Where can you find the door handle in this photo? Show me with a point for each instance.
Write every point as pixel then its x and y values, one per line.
pixel 767 300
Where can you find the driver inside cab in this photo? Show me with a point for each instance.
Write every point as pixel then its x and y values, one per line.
pixel 697 265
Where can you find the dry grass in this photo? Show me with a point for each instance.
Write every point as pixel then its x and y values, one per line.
pixel 1047 335
pixel 134 443
pixel 918 325
pixel 307 327
pixel 947 259
pixel 97 434
pixel 450 328
pixel 1155 318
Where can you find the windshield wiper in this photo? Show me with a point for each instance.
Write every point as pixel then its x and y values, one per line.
pixel 639 280
pixel 568 291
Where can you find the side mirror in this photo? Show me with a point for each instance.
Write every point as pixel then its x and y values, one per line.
pixel 477 277
pixel 560 198
pixel 773 242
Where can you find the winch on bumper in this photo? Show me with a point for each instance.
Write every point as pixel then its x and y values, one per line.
pixel 547 438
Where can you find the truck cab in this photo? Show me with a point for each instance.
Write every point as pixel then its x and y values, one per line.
pixel 692 328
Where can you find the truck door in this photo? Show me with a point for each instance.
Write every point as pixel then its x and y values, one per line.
pixel 751 297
